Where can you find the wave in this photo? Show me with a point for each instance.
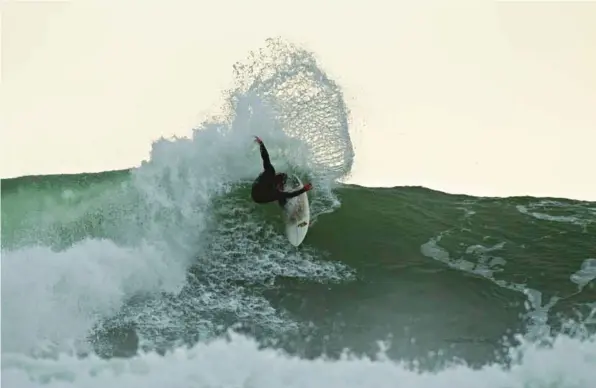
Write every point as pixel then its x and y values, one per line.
pixel 158 263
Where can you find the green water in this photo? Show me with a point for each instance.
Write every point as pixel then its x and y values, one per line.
pixel 455 272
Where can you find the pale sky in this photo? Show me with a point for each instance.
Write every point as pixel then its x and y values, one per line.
pixel 468 97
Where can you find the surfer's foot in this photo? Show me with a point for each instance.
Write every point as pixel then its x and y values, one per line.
pixel 308 186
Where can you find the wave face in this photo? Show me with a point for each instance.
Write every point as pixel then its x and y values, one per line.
pixel 168 275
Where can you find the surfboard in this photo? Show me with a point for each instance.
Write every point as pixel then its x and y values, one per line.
pixel 296 212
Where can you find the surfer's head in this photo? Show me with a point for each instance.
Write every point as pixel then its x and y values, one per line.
pixel 280 180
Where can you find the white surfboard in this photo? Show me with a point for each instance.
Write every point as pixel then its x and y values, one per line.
pixel 296 212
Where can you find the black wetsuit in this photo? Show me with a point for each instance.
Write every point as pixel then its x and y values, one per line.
pixel 268 186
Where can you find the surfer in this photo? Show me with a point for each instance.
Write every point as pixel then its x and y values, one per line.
pixel 268 186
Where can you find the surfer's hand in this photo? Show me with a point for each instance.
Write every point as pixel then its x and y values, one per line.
pixel 258 139
pixel 308 186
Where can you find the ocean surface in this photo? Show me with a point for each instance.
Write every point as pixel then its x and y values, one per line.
pixel 167 275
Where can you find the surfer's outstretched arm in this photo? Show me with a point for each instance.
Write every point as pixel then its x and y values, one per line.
pixel 265 156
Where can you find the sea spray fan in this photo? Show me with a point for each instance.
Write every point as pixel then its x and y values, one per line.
pixel 280 94
pixel 304 102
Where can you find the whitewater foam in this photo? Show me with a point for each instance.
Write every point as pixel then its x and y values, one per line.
pixel 585 275
pixel 571 213
pixel 51 300
pixel 238 362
